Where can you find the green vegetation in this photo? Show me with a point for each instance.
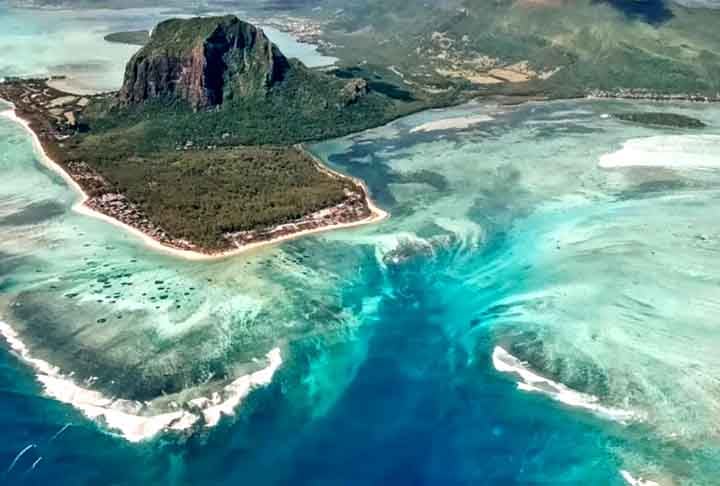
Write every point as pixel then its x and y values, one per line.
pixel 299 109
pixel 577 46
pixel 178 36
pixel 201 195
pixel 661 119
pixel 202 172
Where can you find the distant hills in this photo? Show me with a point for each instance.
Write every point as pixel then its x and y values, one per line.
pixel 557 48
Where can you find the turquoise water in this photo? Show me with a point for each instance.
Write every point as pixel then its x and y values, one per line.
pixel 504 234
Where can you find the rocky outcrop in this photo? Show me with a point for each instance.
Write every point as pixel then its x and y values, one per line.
pixel 354 90
pixel 203 61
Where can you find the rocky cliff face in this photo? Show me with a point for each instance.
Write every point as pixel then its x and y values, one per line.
pixel 203 61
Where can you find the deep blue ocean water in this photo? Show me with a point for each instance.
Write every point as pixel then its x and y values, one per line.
pixel 415 412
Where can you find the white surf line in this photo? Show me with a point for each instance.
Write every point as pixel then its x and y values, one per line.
pixel 636 481
pixel 666 151
pixel 132 418
pixel 19 455
pixel 214 408
pixel 532 382
pixel 376 214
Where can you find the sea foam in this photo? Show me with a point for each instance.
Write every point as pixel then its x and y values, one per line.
pixel 213 408
pixel 670 151
pixel 133 419
pixel 532 382
pixel 632 481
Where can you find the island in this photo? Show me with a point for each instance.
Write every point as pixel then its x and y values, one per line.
pixel 201 150
pixel 132 37
pixel 672 120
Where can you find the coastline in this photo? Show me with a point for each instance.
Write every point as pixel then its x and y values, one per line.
pixel 376 214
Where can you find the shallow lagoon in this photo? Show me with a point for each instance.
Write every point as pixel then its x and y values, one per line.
pixel 503 233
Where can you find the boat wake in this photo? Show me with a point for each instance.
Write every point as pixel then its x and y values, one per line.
pixel 18 456
pixel 134 420
pixel 530 381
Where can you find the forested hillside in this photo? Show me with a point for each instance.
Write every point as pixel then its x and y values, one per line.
pixel 555 47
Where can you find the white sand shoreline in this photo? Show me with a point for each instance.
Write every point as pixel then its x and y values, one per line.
pixel 376 214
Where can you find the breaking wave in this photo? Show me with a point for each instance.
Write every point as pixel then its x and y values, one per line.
pixel 134 420
pixel 669 151
pixel 633 481
pixel 504 362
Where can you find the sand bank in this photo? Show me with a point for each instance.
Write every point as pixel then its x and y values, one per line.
pixel 458 123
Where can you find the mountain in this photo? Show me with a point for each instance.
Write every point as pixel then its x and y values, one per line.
pixel 204 62
pixel 198 149
pixel 219 81
pixel 222 62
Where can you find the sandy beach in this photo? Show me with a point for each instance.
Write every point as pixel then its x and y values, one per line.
pixel 376 214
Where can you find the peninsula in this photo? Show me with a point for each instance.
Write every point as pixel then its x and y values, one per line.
pixel 201 149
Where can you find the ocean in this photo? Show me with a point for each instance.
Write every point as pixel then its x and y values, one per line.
pixel 538 309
